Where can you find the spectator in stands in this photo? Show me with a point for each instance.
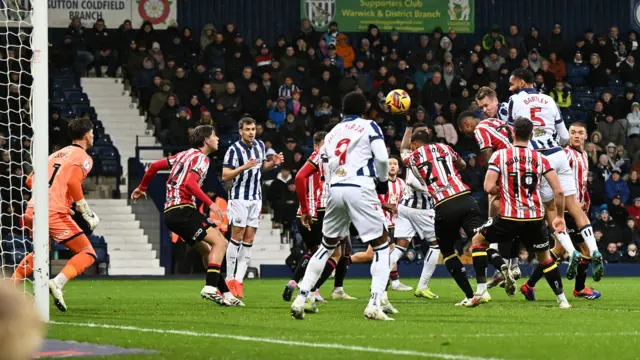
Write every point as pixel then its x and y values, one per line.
pixel 479 78
pixel 214 55
pixel 66 53
pixel 190 43
pixel 615 186
pixel 159 99
pixel 288 206
pixel 58 130
pixel 492 37
pixel 612 255
pixel 515 40
pixel 276 193
pixel 207 36
pixel 473 174
pixel 629 72
pixel 634 209
pixel 618 212
pixel 279 112
pixel 345 51
pixel 535 60
pixel 556 41
pixel 231 102
pixel 164 119
pixel 512 61
pixel 595 116
pixel 195 108
pixel 207 97
pixel 445 132
pixel 102 43
pixel 631 255
pixel 79 34
pixel 612 130
pixel 181 127
pixel 533 41
pixel 557 66
pixel 590 43
pixel 633 183
pixel 330 37
pixel 598 73
pixel 492 63
pixel 561 96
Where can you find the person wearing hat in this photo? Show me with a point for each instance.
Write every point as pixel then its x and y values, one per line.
pixel 345 51
pixel 533 41
pixel 618 211
pixel 264 57
pixel 279 112
pixel 616 186
pixel 492 37
pixel 330 37
pixel 334 58
pixel 556 41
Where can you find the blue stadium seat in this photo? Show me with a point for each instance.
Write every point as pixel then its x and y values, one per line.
pixel 581 92
pixel 580 116
pixel 588 104
pixel 576 80
pixel 80 109
pixel 599 90
pixel 618 90
pixel 110 168
pixel 76 96
pixel 101 255
pixel 67 112
pixel 107 152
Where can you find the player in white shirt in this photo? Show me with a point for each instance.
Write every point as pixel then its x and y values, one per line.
pixel 356 172
pixel 416 216
pixel 549 133
pixel 243 164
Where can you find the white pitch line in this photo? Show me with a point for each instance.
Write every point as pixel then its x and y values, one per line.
pixel 276 341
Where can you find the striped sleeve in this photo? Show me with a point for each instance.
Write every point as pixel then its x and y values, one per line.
pixel 200 165
pixel 230 159
pixel 375 133
pixel 482 138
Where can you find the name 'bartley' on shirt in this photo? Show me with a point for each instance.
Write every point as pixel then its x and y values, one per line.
pixel 534 98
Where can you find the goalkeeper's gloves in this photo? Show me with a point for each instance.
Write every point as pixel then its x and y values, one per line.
pixel 87 214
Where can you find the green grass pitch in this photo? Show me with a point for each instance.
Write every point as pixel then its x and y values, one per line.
pixel 169 316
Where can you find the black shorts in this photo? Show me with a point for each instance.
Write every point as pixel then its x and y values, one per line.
pixel 572 229
pixel 188 223
pixel 312 238
pixel 461 211
pixel 530 233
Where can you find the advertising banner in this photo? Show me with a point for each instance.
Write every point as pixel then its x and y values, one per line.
pixel 161 13
pixel 420 16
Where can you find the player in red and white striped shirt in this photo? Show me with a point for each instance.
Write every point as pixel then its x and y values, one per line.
pixel 310 188
pixel 579 163
pixel 517 173
pixel 188 170
pixel 492 135
pixel 435 165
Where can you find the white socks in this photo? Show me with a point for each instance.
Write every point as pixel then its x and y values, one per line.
pixel 396 254
pixel 482 287
pixel 589 239
pixel 242 261
pixel 430 262
pixel 380 268
pixel 561 297
pixel 565 241
pixel 315 267
pixel 493 246
pixel 60 280
pixel 232 256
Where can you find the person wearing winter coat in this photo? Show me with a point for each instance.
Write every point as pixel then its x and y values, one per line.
pixel 492 63
pixel 598 74
pixel 633 120
pixel 615 186
pixel 557 67
pixel 515 40
pixel 629 72
pixel 445 132
pixel 490 38
pixel 561 96
pixel 533 41
pixel 535 60
pixel 345 51
pixel 612 131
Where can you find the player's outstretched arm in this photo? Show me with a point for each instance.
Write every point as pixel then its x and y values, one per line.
pixel 561 129
pixel 140 191
pixel 74 186
pixel 277 160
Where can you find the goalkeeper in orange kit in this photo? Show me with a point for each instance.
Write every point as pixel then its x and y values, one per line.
pixel 68 168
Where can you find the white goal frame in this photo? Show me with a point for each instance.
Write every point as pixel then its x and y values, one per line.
pixel 40 154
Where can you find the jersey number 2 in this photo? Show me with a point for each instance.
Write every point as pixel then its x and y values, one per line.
pixel 341 150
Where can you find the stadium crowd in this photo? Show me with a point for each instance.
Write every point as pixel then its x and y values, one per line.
pixel 293 86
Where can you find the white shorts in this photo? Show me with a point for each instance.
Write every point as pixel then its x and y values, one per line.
pixel 412 221
pixel 243 213
pixel 357 205
pixel 560 164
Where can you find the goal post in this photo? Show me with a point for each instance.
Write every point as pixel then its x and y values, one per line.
pixel 40 151
pixel 24 142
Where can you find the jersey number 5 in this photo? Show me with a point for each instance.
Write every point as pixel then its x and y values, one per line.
pixel 536 120
pixel 341 150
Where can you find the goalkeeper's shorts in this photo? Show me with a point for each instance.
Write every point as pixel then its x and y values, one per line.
pixel 62 228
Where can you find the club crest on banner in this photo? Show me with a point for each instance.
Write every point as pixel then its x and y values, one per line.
pixel 320 12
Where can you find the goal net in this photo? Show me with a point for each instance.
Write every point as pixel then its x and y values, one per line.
pixel 24 141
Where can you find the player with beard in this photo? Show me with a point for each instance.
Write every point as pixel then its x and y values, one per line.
pixel 579 163
pixel 549 132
